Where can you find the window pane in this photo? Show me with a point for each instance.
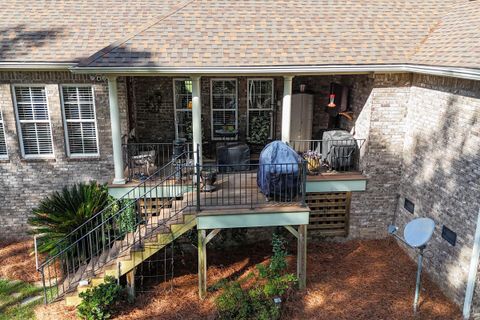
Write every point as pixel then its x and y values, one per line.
pixel 36 138
pixel 260 110
pixel 224 106
pixel 183 108
pixel 79 110
pixel 32 112
pixel 3 144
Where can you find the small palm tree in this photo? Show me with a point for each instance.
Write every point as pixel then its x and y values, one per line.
pixel 62 212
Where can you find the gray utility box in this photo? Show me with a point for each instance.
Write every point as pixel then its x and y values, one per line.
pixel 338 149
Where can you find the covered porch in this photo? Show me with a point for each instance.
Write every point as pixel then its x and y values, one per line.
pixel 231 119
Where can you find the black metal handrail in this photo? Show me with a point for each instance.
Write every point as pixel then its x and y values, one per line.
pixel 341 155
pixel 250 185
pixel 115 229
pixel 142 159
pixel 156 202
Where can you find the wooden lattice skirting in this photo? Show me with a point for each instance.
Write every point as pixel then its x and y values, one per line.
pixel 329 213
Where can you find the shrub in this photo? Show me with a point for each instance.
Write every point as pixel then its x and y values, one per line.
pixel 98 302
pixel 257 302
pixel 62 212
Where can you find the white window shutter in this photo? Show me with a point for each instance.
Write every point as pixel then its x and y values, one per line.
pixel 80 120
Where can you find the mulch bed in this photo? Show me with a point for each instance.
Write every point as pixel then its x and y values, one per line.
pixel 17 261
pixel 371 279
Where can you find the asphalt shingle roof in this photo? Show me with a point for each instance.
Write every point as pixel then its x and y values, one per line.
pixel 454 40
pixel 209 33
pixel 70 30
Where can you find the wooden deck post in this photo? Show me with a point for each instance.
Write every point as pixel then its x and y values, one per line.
pixel 302 256
pixel 131 284
pixel 202 264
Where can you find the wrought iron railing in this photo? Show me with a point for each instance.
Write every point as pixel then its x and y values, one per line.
pixel 125 223
pixel 334 155
pixel 250 185
pixel 149 207
pixel 142 159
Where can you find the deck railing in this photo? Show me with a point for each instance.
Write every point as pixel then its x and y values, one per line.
pixel 124 224
pixel 250 185
pixel 142 159
pixel 335 155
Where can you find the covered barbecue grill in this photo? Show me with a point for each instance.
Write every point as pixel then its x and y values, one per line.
pixel 338 149
pixel 279 171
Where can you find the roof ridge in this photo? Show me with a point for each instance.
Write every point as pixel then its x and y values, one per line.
pixel 100 53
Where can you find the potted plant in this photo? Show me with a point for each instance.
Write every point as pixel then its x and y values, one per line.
pixel 259 130
pixel 313 159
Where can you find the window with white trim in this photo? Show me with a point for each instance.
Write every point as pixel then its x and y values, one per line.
pixel 182 89
pixel 260 110
pixel 80 120
pixel 224 109
pixel 33 121
pixel 3 143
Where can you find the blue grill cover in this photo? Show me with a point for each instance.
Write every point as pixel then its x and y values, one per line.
pixel 278 171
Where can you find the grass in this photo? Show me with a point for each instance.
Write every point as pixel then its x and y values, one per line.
pixel 12 293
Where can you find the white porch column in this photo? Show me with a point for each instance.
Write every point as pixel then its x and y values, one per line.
pixel 116 130
pixel 286 108
pixel 196 119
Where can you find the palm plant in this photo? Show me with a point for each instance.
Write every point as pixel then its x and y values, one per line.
pixel 62 212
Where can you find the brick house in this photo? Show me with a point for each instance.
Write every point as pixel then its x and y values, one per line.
pixel 405 76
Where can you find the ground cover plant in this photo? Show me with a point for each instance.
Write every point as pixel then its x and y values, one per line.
pixel 18 300
pixel 98 303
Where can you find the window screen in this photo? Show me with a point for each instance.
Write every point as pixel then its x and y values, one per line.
pixel 80 120
pixel 33 121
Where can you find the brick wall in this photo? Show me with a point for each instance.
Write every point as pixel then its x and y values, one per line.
pixel 441 172
pixel 24 182
pixel 381 121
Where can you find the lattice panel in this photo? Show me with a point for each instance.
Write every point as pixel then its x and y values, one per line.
pixel 329 213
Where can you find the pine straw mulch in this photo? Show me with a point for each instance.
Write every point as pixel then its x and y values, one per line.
pixel 17 261
pixel 370 279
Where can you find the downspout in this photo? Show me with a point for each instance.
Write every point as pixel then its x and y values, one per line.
pixel 472 273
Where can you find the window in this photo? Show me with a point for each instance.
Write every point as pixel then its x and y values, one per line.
pixel 224 109
pixel 3 143
pixel 35 130
pixel 80 121
pixel 260 110
pixel 182 89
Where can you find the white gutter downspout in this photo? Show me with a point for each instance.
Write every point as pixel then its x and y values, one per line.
pixel 472 273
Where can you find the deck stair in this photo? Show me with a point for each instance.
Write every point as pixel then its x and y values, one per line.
pixel 117 239
pixel 154 239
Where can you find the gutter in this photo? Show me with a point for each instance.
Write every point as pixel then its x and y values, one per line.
pixel 464 73
pixel 36 66
pixel 472 272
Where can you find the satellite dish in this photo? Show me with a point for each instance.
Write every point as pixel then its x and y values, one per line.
pixel 418 232
pixel 416 235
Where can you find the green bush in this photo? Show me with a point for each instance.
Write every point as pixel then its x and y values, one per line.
pixel 62 212
pixel 127 218
pixel 257 302
pixel 98 302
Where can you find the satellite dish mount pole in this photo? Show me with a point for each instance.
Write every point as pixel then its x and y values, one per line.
pixel 419 278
